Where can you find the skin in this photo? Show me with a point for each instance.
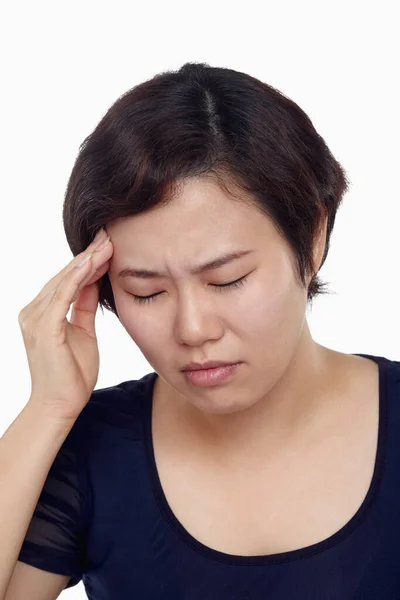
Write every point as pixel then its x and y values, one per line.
pixel 285 374
pixel 272 449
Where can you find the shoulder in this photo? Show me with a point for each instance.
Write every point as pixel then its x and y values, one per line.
pixel 393 377
pixel 387 366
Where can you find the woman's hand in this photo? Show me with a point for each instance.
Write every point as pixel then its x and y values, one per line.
pixel 63 355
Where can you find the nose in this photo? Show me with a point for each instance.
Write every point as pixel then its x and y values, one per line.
pixel 197 322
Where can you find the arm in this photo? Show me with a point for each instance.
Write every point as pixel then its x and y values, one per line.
pixel 27 451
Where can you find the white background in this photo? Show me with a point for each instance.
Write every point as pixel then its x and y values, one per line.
pixel 65 63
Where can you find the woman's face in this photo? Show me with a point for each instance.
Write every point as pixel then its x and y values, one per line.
pixel 259 323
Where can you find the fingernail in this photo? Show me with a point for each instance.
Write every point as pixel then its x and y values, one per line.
pixel 100 235
pixel 102 244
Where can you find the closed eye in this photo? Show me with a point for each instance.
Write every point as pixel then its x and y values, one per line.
pixel 221 287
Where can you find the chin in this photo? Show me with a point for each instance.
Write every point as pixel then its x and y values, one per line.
pixel 213 407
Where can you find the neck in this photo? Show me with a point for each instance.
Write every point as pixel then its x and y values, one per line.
pixel 293 403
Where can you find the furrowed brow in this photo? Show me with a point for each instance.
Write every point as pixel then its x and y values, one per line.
pixel 209 266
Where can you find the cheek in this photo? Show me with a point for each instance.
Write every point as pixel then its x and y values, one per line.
pixel 145 330
pixel 259 311
pixel 271 305
pixel 147 335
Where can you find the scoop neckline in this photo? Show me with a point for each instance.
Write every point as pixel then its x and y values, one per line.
pixel 290 555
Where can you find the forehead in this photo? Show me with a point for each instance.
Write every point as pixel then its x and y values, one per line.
pixel 201 210
pixel 197 226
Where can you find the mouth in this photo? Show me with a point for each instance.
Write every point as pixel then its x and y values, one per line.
pixel 213 375
pixel 211 364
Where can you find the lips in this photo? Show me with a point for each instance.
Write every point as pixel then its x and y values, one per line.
pixel 212 364
pixel 212 377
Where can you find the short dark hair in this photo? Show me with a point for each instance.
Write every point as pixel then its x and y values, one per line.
pixel 203 121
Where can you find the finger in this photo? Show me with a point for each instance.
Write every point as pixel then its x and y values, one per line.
pixel 84 309
pixel 47 315
pixel 82 292
pixel 98 263
pixel 52 318
pixel 53 283
pixel 97 274
pixel 85 302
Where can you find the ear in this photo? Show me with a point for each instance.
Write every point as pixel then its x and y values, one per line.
pixel 320 242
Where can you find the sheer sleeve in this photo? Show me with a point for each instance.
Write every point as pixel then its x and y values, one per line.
pixel 55 540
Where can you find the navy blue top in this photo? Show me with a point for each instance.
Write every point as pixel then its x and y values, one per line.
pixel 103 518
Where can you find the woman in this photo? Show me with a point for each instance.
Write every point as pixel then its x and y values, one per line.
pixel 249 464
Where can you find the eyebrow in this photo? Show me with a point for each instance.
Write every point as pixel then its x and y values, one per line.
pixel 213 264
